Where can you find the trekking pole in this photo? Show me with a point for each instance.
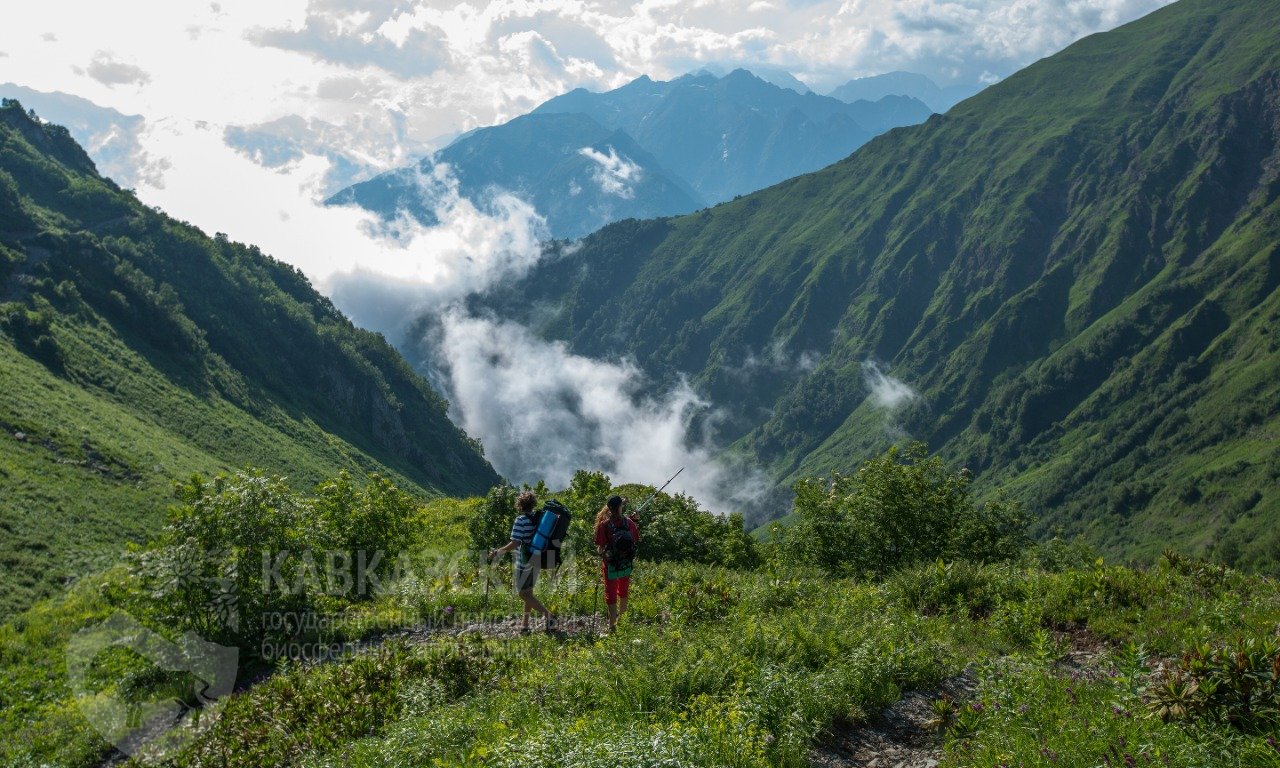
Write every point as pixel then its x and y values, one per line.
pixel 595 601
pixel 484 606
pixel 654 495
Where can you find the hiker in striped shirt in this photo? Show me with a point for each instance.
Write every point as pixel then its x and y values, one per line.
pixel 526 573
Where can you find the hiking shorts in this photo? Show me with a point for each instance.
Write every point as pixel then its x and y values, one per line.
pixel 526 574
pixel 615 588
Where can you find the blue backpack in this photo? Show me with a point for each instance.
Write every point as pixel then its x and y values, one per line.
pixel 552 528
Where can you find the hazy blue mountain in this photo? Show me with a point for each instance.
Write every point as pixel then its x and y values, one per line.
pixel 680 144
pixel 779 77
pixel 917 86
pixel 109 136
pixel 577 173
pixel 731 135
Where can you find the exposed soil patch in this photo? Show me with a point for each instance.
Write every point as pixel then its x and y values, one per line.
pixel 899 737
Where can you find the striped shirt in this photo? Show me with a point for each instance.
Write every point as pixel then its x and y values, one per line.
pixel 522 529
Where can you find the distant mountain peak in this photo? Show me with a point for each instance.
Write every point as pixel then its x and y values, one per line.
pixel 900 83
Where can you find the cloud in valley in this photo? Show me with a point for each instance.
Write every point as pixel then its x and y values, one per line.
pixel 543 412
pixel 614 173
pixel 886 392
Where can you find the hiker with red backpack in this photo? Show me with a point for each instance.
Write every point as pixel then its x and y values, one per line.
pixel 616 538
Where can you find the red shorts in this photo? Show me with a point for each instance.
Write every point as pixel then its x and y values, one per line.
pixel 615 588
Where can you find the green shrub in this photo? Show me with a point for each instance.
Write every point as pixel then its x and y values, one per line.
pixel 490 525
pixel 243 560
pixel 1237 684
pixel 675 528
pixel 935 588
pixel 897 510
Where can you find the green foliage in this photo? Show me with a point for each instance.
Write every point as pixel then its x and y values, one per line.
pixel 490 525
pixel 135 351
pixel 375 518
pixel 243 559
pixel 899 509
pixel 711 666
pixel 676 528
pixel 303 711
pixel 1236 684
pixel 934 588
pixel 1028 713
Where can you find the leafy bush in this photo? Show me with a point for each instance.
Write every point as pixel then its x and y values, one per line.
pixel 490 526
pixel 934 588
pixel 243 558
pixel 675 528
pixel 898 509
pixel 374 519
pixel 1237 684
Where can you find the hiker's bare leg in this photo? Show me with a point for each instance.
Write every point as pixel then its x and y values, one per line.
pixel 532 603
pixel 613 616
pixel 622 605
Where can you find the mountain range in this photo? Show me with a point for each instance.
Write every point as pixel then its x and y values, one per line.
pixel 1067 283
pixel 647 149
pixel 136 350
pixel 876 87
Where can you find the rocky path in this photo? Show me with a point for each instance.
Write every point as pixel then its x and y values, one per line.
pixel 508 627
pixel 901 736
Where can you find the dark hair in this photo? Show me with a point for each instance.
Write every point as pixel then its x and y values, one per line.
pixel 526 501
pixel 614 503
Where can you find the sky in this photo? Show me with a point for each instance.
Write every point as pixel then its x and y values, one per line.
pixel 251 112
pixel 351 87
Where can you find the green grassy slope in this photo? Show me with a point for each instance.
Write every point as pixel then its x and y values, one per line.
pixel 134 350
pixel 1076 270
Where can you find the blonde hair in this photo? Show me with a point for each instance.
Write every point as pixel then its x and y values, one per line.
pixel 607 511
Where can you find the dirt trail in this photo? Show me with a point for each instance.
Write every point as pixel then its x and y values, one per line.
pixel 505 627
pixel 900 736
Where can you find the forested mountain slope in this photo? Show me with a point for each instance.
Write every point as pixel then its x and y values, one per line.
pixel 1076 270
pixel 135 350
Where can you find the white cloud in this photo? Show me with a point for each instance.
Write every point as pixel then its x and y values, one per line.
pixel 390 74
pixel 775 358
pixel 345 250
pixel 543 412
pixel 110 71
pixel 332 38
pixel 886 392
pixel 614 173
